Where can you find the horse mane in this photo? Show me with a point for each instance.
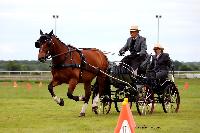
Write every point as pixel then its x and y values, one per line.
pixel 59 40
pixel 68 45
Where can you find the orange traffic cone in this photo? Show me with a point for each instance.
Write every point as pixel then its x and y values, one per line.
pixel 15 84
pixel 40 84
pixel 28 86
pixel 186 86
pixel 126 123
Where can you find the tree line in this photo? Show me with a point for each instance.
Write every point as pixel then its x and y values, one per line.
pixel 25 65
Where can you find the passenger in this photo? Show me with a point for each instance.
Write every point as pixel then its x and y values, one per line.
pixel 160 63
pixel 136 44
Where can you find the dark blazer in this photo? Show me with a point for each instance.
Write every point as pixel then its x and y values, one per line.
pixel 162 63
pixel 140 46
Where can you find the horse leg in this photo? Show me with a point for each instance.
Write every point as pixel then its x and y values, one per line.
pixel 87 88
pixel 95 97
pixel 100 88
pixel 72 86
pixel 58 100
pixel 95 104
pixel 104 91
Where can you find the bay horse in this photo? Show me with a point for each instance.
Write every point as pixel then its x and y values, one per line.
pixel 71 65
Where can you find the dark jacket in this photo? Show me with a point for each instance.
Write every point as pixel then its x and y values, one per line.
pixel 162 63
pixel 139 47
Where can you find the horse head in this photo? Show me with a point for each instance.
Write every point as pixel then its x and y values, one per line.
pixel 44 43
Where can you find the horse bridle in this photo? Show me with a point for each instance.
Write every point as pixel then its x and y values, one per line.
pixel 43 39
pixel 40 42
pixel 48 38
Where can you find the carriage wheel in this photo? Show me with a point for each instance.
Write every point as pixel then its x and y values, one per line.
pixel 145 100
pixel 170 99
pixel 105 105
pixel 119 98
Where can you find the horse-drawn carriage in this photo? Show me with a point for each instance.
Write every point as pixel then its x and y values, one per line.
pixel 72 66
pixel 124 82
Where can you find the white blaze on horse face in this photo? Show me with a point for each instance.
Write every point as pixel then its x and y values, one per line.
pixel 84 107
pixel 95 100
pixel 56 99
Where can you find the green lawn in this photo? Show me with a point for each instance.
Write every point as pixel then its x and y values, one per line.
pixel 32 110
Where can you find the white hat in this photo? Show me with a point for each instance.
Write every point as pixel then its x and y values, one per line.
pixel 134 28
pixel 158 45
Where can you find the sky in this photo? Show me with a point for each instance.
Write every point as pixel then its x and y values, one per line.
pixel 102 24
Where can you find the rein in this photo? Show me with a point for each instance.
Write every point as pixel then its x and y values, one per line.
pixel 51 57
pixel 84 63
pixel 73 65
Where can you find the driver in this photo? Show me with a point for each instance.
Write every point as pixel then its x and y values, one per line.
pixel 136 44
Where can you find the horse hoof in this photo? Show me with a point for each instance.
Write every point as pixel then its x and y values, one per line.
pixel 95 109
pixel 81 115
pixel 61 102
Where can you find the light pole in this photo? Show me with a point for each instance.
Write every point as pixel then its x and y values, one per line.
pixel 55 17
pixel 158 17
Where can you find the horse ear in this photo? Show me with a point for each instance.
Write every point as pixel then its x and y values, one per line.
pixel 51 33
pixel 41 33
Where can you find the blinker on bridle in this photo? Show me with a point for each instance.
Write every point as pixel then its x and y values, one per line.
pixel 43 39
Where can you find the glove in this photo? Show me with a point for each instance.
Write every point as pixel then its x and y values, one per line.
pixel 121 53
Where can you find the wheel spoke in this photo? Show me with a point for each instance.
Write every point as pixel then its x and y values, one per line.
pixel 145 101
pixel 171 99
pixel 105 105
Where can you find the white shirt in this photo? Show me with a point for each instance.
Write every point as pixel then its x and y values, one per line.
pixel 157 56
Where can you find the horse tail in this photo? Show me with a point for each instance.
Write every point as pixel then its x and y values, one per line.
pixel 106 88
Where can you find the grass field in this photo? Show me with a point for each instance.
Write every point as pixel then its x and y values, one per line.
pixel 29 108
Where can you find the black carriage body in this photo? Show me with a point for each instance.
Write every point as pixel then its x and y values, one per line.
pixel 142 90
pixel 122 78
pixel 120 75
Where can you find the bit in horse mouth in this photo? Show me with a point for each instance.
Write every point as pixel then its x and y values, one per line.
pixel 42 59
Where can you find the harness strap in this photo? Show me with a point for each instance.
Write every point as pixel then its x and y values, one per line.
pixel 83 61
pixel 66 65
pixel 82 65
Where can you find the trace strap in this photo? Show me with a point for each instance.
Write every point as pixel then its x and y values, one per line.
pixel 66 65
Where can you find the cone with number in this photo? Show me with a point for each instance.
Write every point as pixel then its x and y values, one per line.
pixel 126 123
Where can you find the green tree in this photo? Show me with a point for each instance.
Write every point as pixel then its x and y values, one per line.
pixel 185 68
pixel 13 66
pixel 177 65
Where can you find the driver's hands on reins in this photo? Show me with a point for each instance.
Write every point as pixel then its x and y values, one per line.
pixel 121 53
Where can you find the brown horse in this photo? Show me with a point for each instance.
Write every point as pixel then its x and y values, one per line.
pixel 72 66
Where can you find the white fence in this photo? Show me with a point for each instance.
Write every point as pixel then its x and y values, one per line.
pixel 187 74
pixel 25 75
pixel 46 75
